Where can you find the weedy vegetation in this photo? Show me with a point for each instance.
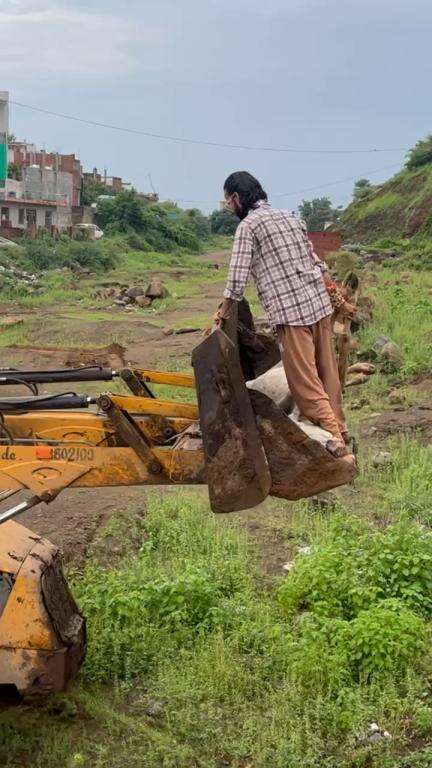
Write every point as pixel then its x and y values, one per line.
pixel 202 653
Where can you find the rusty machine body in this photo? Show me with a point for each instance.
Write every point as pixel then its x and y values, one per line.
pixel 236 441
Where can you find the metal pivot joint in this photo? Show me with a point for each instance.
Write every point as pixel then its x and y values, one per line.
pixel 130 434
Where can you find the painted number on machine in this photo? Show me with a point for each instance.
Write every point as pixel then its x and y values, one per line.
pixel 70 453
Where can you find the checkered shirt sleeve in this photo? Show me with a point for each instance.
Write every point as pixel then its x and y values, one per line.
pixel 240 264
pixel 272 246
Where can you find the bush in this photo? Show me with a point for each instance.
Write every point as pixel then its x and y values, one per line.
pixel 164 229
pixel 137 243
pixel 329 653
pixel 363 599
pixel 386 638
pixel 91 190
pixel 319 656
pixel 362 189
pixel 47 253
pixel 95 256
pixel 223 222
pixel 420 154
pixel 422 720
pixel 40 254
pixel 142 610
pixel 352 571
pixel 124 211
pixel 342 262
pixel 199 224
pixel 131 615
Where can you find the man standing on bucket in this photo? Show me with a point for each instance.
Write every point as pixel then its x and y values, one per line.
pixel 273 247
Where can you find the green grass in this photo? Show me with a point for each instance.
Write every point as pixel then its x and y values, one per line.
pixel 138 263
pixel 68 325
pixel 13 335
pixel 378 204
pixel 126 267
pixel 241 675
pixel 203 654
pixel 405 484
pixel 403 311
pixel 397 209
pixel 416 251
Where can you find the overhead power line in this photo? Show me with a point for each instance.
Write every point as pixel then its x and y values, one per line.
pixel 202 142
pixel 300 191
pixel 340 181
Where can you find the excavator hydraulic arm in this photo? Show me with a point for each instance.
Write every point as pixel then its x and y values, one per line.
pixel 235 440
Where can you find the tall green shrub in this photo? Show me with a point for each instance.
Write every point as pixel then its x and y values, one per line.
pixel 420 154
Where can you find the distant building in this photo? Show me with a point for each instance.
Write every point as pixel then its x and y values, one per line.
pixel 150 197
pixel 19 216
pixel 117 184
pixel 41 200
pixel 23 155
pixel 114 182
pixel 44 190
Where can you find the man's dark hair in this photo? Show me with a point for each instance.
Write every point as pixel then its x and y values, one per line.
pixel 247 187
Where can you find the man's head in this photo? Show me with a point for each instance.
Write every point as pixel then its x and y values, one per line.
pixel 242 191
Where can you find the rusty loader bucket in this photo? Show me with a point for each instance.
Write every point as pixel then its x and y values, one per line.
pixel 252 448
pixel 42 634
pixel 237 471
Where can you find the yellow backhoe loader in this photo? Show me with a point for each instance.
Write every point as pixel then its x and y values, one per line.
pixel 237 440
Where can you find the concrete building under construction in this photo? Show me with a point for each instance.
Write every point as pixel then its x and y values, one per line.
pixel 42 189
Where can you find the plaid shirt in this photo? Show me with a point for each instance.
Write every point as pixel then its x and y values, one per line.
pixel 273 246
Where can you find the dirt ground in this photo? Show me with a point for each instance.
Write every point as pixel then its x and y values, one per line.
pixel 143 342
pixel 412 421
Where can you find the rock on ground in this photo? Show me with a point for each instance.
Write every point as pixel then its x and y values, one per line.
pixel 143 301
pixel 382 459
pixel 135 291
pixel 157 290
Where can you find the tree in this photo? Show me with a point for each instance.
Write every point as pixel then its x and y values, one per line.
pixel 128 212
pixel 14 171
pixel 223 222
pixel 362 188
pixel 124 211
pixel 92 189
pixel 317 213
pixel 199 224
pixel 420 154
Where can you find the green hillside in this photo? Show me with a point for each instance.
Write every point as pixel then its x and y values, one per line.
pixel 402 207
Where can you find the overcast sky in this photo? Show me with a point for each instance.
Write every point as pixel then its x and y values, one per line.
pixel 306 74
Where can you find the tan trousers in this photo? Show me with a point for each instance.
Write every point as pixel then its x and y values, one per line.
pixel 311 370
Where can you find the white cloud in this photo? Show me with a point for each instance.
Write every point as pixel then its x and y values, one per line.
pixel 48 37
